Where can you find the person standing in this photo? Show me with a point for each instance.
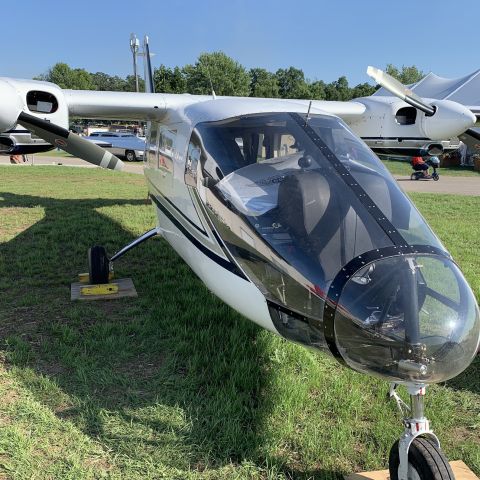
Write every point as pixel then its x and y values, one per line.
pixel 17 159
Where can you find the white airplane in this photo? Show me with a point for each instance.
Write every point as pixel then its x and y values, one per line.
pixel 287 216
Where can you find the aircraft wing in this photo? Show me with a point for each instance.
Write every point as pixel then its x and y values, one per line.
pixel 150 106
pixel 30 110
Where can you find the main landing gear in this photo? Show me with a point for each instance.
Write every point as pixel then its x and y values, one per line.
pixel 417 455
pixel 100 266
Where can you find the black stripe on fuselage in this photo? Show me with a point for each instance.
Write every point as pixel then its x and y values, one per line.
pixel 189 220
pixel 231 267
pixel 14 131
pixel 212 227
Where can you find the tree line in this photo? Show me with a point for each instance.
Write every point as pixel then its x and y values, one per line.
pixel 227 77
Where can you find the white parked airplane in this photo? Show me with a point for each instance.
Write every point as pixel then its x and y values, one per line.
pixel 285 214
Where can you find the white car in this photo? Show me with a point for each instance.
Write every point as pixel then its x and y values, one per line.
pixel 124 144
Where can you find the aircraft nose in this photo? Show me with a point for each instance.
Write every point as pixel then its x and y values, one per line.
pixel 409 318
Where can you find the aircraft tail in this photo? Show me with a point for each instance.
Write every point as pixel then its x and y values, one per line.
pixel 149 85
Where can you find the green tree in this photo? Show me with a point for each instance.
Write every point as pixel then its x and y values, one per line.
pixel 66 77
pixel 227 76
pixel 291 83
pixel 104 82
pixel 130 86
pixel 317 90
pixel 407 75
pixel 167 80
pixel 263 84
pixel 338 90
pixel 362 90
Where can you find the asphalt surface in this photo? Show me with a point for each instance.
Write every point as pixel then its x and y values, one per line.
pixel 447 184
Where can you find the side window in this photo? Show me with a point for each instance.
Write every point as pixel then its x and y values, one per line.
pixel 191 165
pixel 166 148
pixel 151 157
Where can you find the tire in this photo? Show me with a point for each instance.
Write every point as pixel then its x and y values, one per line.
pixel 413 176
pixel 435 176
pixel 98 265
pixel 425 462
pixel 130 156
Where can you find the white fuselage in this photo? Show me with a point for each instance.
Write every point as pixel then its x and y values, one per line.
pixel 180 208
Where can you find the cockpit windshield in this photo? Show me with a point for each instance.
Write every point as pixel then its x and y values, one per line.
pixel 303 205
pixel 288 182
pixel 251 156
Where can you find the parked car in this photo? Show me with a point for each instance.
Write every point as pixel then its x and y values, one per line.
pixel 124 144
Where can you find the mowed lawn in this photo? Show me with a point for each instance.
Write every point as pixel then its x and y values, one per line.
pixel 174 384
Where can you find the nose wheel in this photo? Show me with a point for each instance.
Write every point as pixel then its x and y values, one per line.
pixel 417 455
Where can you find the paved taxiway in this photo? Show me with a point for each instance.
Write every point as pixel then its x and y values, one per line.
pixel 447 184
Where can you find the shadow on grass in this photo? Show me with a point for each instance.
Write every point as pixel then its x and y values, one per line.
pixel 173 377
pixel 469 379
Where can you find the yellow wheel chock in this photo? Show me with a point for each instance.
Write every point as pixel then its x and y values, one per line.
pixel 100 289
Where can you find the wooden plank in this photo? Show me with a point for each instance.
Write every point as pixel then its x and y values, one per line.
pixel 460 470
pixel 126 288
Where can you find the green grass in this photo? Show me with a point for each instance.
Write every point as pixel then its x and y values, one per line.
pixel 398 167
pixel 53 153
pixel 174 384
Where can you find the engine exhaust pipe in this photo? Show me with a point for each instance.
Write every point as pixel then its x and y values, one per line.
pixel 7 144
pixel 433 149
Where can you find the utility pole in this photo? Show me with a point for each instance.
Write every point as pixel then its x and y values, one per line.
pixel 134 47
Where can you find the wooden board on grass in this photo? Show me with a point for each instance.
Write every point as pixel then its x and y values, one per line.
pixel 460 470
pixel 126 288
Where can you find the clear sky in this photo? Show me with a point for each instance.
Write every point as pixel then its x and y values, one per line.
pixel 325 39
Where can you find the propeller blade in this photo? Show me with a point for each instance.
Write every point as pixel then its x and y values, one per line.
pixel 473 133
pixel 399 90
pixel 70 142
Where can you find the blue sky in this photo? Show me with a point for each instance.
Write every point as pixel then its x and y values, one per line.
pixel 325 39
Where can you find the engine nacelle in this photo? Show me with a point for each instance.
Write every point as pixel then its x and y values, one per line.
pixel 390 126
pixel 449 120
pixel 42 99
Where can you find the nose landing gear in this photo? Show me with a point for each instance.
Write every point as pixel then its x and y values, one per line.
pixel 417 455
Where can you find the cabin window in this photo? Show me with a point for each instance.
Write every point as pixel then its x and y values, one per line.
pixel 406 116
pixel 191 166
pixel 166 148
pixel 41 102
pixel 151 157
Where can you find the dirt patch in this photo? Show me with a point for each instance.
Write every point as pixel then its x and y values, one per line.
pixel 461 434
pixel 98 464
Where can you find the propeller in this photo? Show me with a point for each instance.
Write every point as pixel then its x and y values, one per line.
pixel 473 133
pixel 70 142
pixel 401 91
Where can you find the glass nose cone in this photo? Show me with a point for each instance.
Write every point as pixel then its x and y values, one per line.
pixel 410 318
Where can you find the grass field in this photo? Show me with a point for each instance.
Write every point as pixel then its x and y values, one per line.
pixel 174 384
